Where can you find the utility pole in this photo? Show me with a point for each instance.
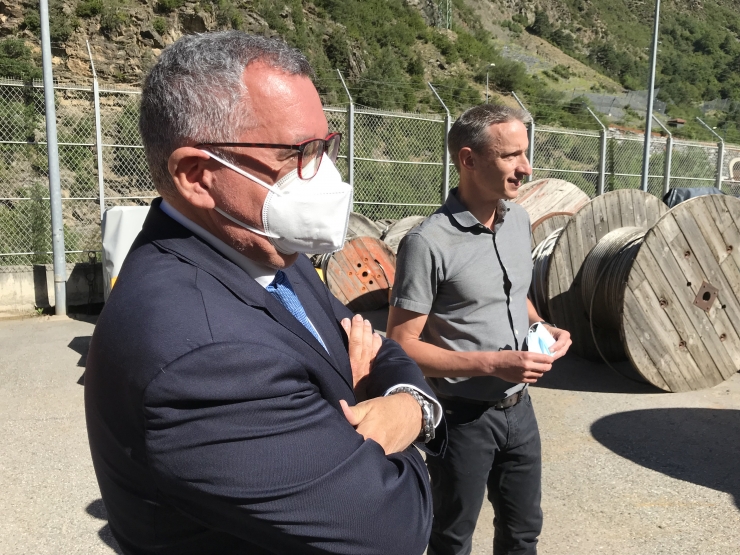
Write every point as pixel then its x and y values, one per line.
pixel 651 99
pixel 52 149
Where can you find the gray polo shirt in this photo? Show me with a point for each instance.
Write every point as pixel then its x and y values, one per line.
pixel 472 282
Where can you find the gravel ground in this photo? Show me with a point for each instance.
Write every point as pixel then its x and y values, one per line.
pixel 627 470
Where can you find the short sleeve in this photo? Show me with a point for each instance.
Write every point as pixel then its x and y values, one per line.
pixel 417 275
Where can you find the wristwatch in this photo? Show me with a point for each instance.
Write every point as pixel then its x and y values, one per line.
pixel 427 413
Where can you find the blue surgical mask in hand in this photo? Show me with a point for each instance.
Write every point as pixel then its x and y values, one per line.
pixel 539 339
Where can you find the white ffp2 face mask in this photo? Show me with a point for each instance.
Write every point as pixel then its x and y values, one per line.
pixel 308 216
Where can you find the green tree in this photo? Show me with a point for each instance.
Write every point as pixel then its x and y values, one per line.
pixel 541 25
pixel 16 61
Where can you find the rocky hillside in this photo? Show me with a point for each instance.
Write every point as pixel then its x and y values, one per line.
pixel 388 49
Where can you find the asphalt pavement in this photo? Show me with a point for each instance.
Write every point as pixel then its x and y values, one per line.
pixel 627 470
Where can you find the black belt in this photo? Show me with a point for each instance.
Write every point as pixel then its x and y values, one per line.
pixel 499 404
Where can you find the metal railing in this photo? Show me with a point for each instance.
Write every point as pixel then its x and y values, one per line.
pixel 395 160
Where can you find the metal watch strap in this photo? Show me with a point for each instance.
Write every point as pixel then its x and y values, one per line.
pixel 427 413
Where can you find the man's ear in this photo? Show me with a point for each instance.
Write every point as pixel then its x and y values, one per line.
pixel 192 176
pixel 466 158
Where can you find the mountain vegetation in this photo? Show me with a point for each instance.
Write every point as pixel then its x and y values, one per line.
pixel 387 50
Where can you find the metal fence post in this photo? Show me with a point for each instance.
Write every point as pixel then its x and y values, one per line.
pixel 668 158
pixel 98 135
pixel 530 133
pixel 720 154
pixel 602 154
pixel 350 137
pixel 720 162
pixel 52 149
pixel 446 153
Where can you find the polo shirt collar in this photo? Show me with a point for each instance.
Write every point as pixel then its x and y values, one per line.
pixel 464 217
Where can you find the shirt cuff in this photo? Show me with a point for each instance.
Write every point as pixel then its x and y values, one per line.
pixel 436 407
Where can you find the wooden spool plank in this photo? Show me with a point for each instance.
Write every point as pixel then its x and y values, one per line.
pixel 731 272
pixel 642 360
pixel 589 225
pixel 660 338
pixel 600 220
pixel 709 230
pixel 545 196
pixel 627 211
pixel 640 212
pixel 361 274
pixel 653 341
pixel 720 214
pixel 559 279
pixel 689 245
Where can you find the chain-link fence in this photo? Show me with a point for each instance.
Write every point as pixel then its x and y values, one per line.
pixel 575 156
pixel 396 162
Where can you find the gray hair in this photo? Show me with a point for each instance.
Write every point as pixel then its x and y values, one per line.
pixel 471 128
pixel 194 93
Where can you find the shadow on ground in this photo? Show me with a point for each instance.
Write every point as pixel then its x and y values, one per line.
pixel 97 510
pixel 577 374
pixel 701 446
pixel 81 345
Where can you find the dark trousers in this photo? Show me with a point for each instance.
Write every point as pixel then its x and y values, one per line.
pixel 495 448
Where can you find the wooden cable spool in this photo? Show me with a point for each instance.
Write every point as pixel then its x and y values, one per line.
pixel 547 196
pixel 662 301
pixel 361 275
pixel 680 307
pixel 562 281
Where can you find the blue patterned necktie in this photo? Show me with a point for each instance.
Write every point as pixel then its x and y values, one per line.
pixel 282 290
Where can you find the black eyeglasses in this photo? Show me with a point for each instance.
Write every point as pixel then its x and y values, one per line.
pixel 310 152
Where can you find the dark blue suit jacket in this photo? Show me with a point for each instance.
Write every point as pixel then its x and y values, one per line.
pixel 214 420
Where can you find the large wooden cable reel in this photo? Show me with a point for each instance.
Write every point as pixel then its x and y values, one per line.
pixel 680 307
pixel 361 275
pixel 564 301
pixel 660 302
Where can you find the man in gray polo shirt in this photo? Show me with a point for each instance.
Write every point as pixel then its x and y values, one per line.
pixel 460 309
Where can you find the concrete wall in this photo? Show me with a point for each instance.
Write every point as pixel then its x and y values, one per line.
pixel 25 288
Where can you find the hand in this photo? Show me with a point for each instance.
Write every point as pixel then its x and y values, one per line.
pixel 562 341
pixel 362 347
pixel 518 366
pixel 393 421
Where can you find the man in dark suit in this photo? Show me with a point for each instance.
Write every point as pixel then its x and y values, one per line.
pixel 233 404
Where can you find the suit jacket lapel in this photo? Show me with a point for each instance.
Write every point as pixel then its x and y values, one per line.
pixel 170 236
pixel 319 310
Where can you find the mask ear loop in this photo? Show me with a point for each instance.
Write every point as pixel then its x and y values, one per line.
pixel 240 171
